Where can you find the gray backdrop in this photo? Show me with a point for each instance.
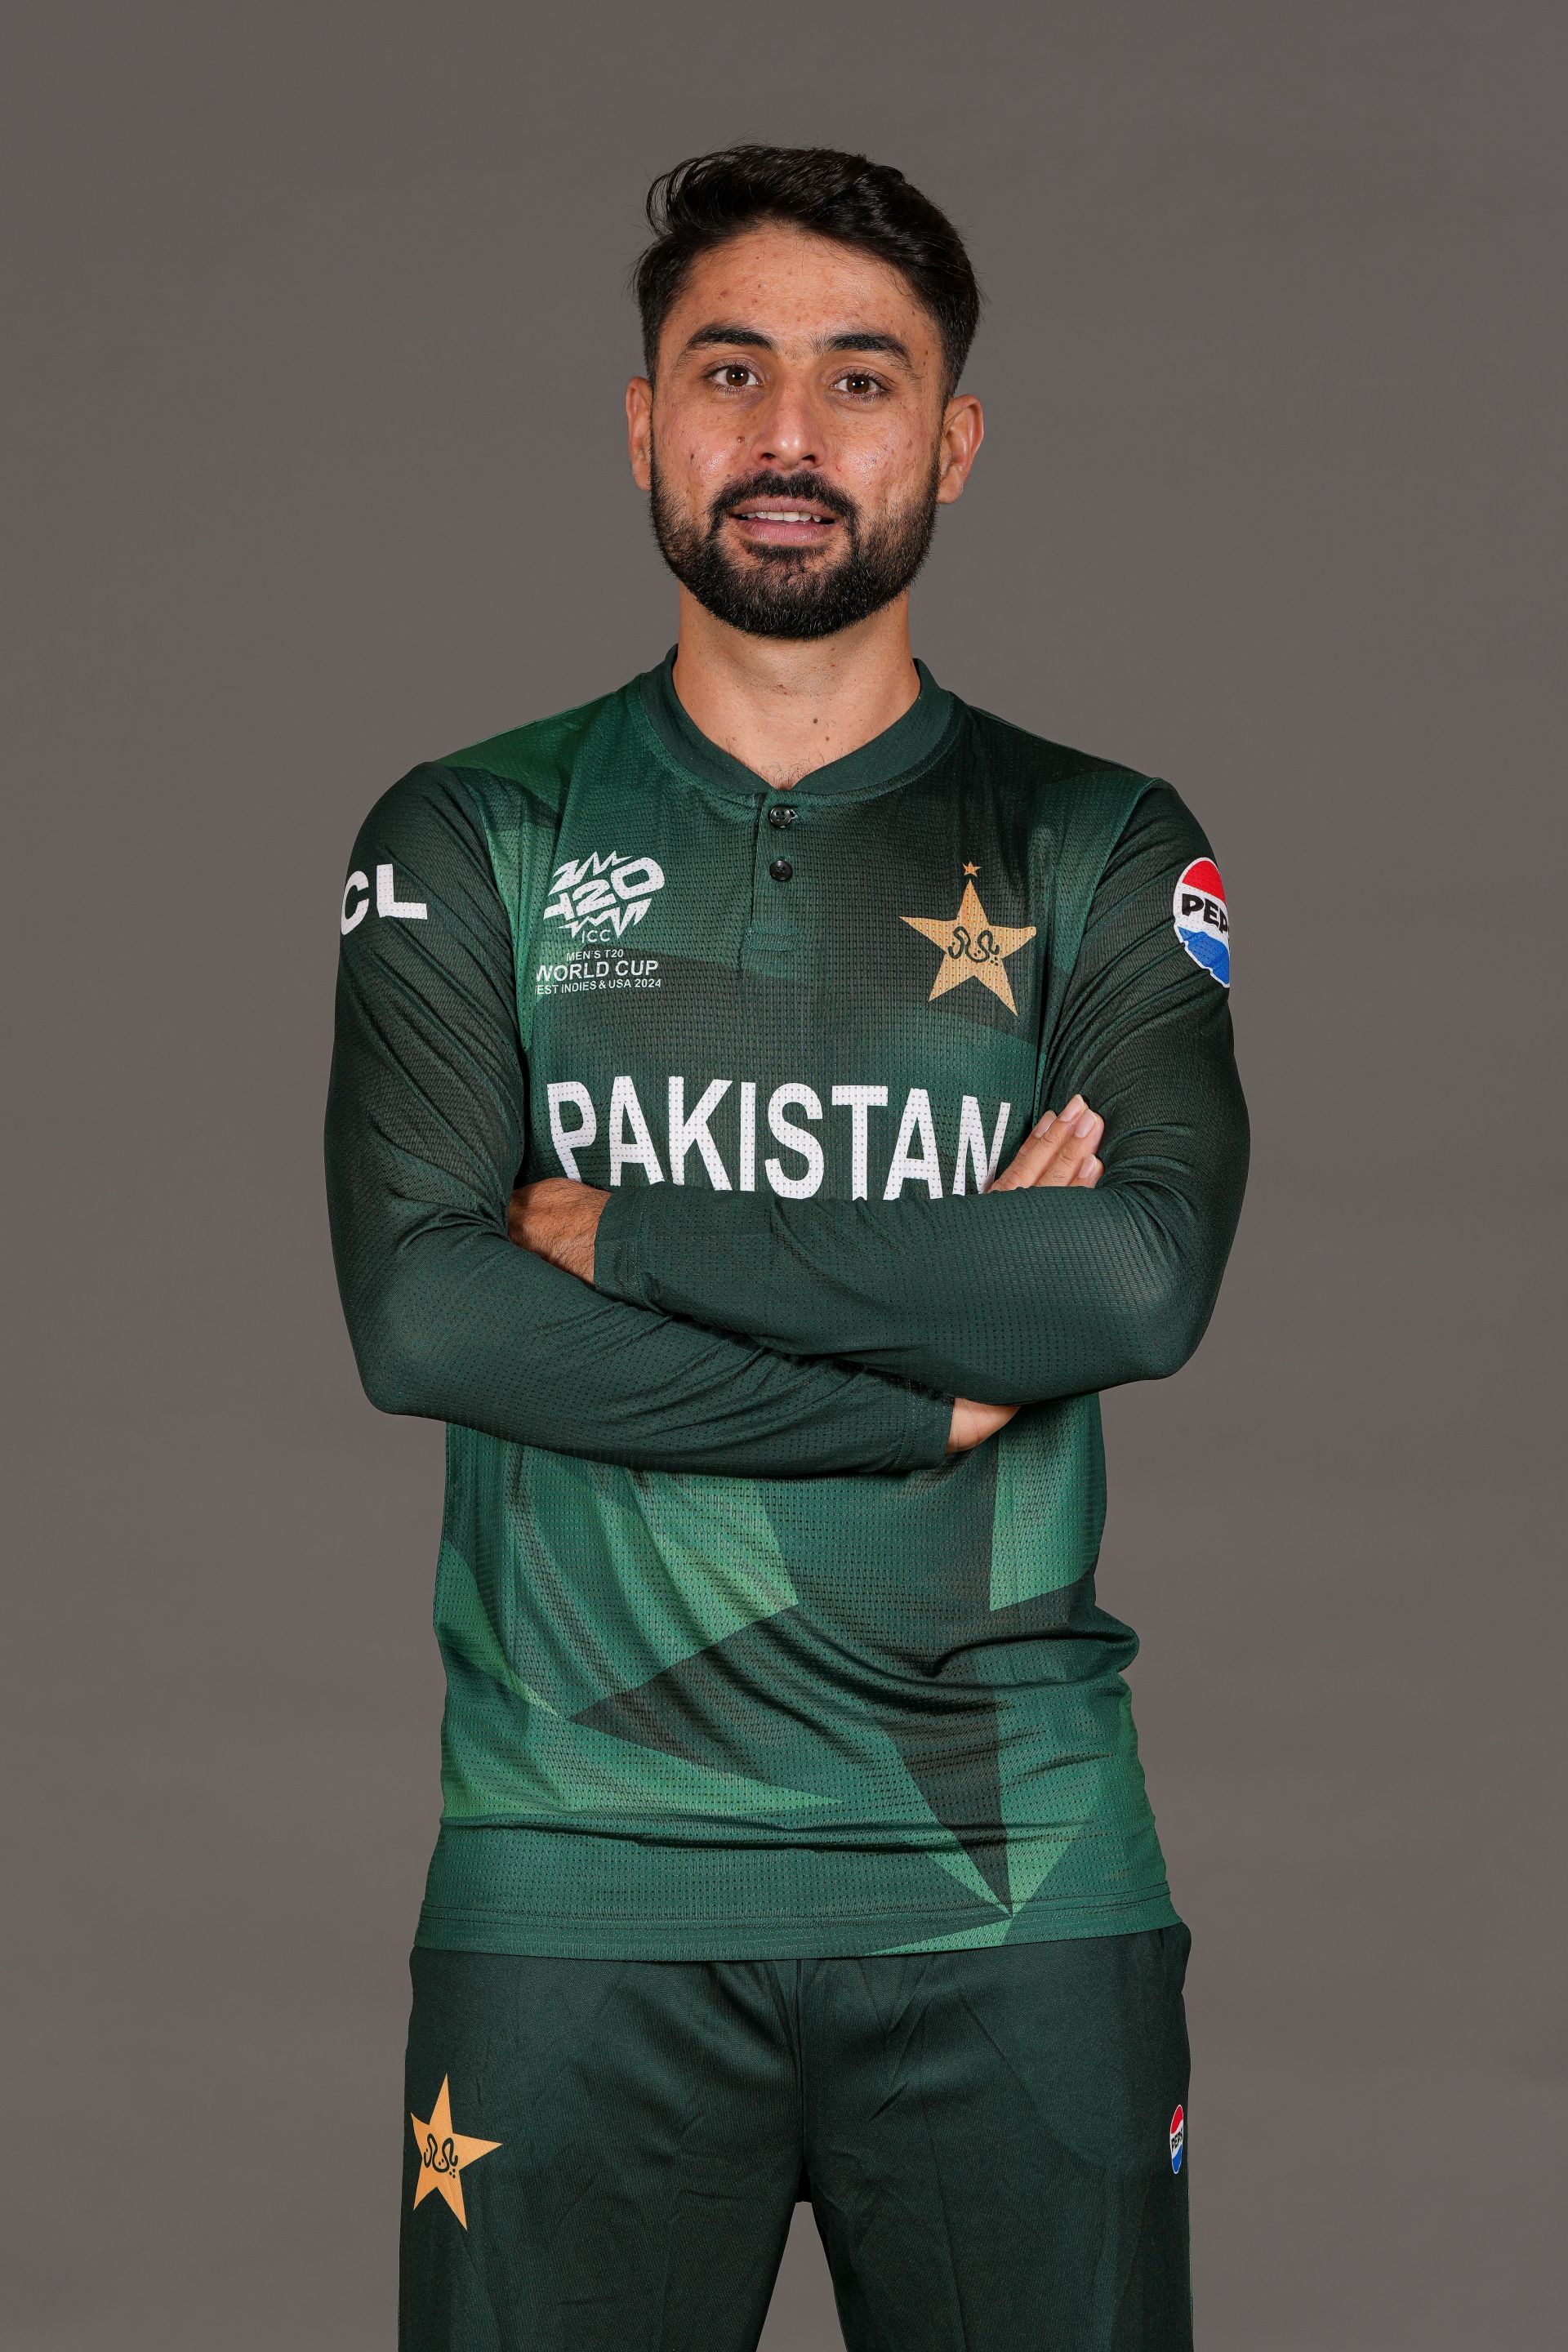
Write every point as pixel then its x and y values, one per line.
pixel 318 341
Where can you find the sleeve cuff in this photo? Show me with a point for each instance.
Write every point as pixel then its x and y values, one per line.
pixel 929 1425
pixel 620 1248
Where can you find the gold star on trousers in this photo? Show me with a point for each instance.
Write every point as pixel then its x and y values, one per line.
pixel 973 948
pixel 444 2154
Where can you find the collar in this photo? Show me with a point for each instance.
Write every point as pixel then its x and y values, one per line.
pixel 910 742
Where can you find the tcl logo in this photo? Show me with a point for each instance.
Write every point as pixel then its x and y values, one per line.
pixel 356 900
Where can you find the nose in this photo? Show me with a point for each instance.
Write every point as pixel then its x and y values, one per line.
pixel 788 431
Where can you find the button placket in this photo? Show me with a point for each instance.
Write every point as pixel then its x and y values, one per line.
pixel 782 817
pixel 773 938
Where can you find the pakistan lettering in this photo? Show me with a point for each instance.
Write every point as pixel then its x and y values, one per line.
pixel 598 897
pixel 915 1158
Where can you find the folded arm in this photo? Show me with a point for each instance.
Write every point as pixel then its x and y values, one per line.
pixel 1010 1295
pixel 426 1131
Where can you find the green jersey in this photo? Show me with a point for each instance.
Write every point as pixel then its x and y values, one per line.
pixel 740 1661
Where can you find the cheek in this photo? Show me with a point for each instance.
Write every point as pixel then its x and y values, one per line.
pixel 888 467
pixel 709 459
pixel 691 447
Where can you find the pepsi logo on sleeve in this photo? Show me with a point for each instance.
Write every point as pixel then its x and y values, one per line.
pixel 1202 925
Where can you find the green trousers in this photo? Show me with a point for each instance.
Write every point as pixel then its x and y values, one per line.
pixel 604 2156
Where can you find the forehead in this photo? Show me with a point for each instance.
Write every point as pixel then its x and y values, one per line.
pixel 798 290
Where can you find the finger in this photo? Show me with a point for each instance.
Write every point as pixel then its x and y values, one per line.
pixel 1017 1174
pixel 1039 1147
pixel 1072 1143
pixel 1089 1173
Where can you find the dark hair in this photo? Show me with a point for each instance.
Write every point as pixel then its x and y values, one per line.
pixel 708 199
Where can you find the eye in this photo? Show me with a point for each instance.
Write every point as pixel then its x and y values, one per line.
pixel 858 384
pixel 734 375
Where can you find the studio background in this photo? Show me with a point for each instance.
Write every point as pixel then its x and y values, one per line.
pixel 318 338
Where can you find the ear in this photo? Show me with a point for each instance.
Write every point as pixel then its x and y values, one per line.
pixel 639 429
pixel 962 431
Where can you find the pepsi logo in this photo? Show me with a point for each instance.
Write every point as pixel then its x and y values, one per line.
pixel 1203 924
pixel 1178 2139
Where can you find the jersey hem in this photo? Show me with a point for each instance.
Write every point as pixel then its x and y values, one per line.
pixel 574 1892
pixel 568 1936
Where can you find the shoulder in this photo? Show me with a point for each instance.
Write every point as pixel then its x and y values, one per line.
pixel 532 763
pixel 539 759
pixel 1092 808
pixel 1060 777
pixel 489 792
pixel 1103 826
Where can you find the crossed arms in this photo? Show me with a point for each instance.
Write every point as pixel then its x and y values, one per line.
pixel 749 1334
pixel 560 1219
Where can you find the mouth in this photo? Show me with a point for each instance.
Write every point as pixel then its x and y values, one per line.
pixel 784 522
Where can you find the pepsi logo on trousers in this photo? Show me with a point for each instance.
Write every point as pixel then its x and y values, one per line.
pixel 1178 2139
pixel 1202 925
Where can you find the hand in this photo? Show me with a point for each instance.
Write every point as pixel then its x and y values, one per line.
pixel 557 1219
pixel 1059 1150
pixel 972 1423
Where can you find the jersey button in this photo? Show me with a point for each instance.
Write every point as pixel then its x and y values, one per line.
pixel 780 814
pixel 781 870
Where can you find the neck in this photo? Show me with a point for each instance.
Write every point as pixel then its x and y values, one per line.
pixel 785 706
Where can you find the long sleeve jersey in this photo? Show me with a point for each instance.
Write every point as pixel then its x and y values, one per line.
pixel 740 1660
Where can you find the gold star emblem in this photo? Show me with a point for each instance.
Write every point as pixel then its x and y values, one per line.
pixel 973 947
pixel 444 2154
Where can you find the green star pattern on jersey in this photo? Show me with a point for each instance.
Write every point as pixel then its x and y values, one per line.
pixel 740 1661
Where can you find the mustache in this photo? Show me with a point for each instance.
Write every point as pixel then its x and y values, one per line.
pixel 783 486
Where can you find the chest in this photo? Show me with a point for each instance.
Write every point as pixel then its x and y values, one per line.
pixel 801 996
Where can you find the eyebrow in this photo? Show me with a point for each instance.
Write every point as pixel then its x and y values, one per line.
pixel 870 342
pixel 868 339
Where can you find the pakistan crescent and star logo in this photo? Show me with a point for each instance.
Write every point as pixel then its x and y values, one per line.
pixel 973 947
pixel 445 2154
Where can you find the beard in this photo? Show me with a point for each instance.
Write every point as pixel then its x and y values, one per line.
pixel 789 591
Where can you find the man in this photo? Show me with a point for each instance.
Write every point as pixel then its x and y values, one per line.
pixel 863 1065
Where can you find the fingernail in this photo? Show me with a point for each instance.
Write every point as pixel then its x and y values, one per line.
pixel 1085 1126
pixel 1074 1107
pixel 1044 1121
